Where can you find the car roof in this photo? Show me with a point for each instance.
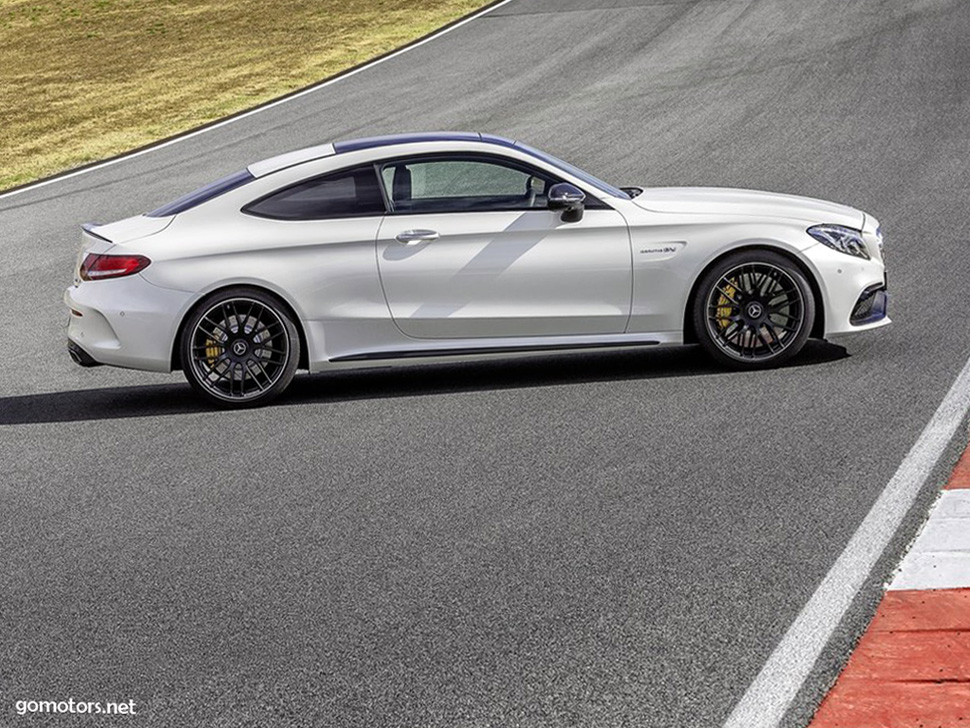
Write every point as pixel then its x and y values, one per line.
pixel 273 164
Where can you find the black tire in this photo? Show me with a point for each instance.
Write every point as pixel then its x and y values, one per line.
pixel 239 348
pixel 753 310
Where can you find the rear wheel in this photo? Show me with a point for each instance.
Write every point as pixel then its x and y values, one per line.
pixel 240 348
pixel 753 310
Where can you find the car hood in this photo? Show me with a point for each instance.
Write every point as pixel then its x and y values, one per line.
pixel 728 201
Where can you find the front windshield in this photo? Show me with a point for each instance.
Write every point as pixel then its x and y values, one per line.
pixel 574 171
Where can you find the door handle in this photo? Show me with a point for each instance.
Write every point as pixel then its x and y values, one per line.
pixel 413 237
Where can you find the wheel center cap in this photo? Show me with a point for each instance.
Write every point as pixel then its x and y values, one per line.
pixel 755 310
pixel 240 347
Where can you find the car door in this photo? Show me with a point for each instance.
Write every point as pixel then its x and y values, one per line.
pixel 470 250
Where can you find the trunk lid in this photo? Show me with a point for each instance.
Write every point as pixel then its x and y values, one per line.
pixel 124 231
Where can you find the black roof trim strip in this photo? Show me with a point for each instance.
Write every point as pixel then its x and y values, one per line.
pixel 353 145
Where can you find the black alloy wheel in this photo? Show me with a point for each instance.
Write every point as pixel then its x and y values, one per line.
pixel 240 348
pixel 754 310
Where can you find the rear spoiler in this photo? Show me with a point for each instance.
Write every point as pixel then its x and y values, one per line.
pixel 89 227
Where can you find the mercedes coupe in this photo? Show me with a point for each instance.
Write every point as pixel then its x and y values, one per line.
pixel 444 245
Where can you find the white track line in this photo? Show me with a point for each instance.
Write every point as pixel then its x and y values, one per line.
pixel 766 700
pixel 251 112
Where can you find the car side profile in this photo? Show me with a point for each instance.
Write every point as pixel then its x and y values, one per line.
pixel 442 245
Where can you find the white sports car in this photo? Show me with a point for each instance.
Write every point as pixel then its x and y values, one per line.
pixel 458 244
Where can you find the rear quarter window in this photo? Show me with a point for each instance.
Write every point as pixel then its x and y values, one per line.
pixel 349 193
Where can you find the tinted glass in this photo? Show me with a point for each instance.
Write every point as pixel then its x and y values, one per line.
pixel 213 189
pixel 348 193
pixel 463 184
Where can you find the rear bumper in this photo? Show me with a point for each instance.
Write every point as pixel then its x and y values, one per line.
pixel 126 322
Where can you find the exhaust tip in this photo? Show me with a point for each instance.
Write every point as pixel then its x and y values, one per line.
pixel 80 356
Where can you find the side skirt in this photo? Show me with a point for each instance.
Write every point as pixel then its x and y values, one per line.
pixel 483 350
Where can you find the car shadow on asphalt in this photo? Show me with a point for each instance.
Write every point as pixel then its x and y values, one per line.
pixel 388 382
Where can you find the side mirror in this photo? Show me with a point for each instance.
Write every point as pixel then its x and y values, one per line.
pixel 569 199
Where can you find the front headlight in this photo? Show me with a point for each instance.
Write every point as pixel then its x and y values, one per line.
pixel 845 240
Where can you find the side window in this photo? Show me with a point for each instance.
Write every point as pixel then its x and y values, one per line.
pixel 349 193
pixel 463 185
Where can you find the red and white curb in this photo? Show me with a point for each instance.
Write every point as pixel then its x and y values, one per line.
pixel 911 669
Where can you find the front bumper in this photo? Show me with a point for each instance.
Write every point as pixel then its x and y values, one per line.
pixel 125 322
pixel 854 291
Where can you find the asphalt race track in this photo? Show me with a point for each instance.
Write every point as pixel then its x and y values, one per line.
pixel 586 540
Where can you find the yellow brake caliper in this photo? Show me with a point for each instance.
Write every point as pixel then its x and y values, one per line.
pixel 213 350
pixel 724 306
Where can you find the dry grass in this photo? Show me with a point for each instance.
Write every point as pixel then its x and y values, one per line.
pixel 81 80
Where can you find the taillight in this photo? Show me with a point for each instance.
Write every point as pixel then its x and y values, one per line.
pixel 98 267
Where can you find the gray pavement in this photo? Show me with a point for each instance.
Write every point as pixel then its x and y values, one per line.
pixel 591 539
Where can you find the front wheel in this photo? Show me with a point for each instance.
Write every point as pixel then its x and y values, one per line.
pixel 753 310
pixel 240 348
